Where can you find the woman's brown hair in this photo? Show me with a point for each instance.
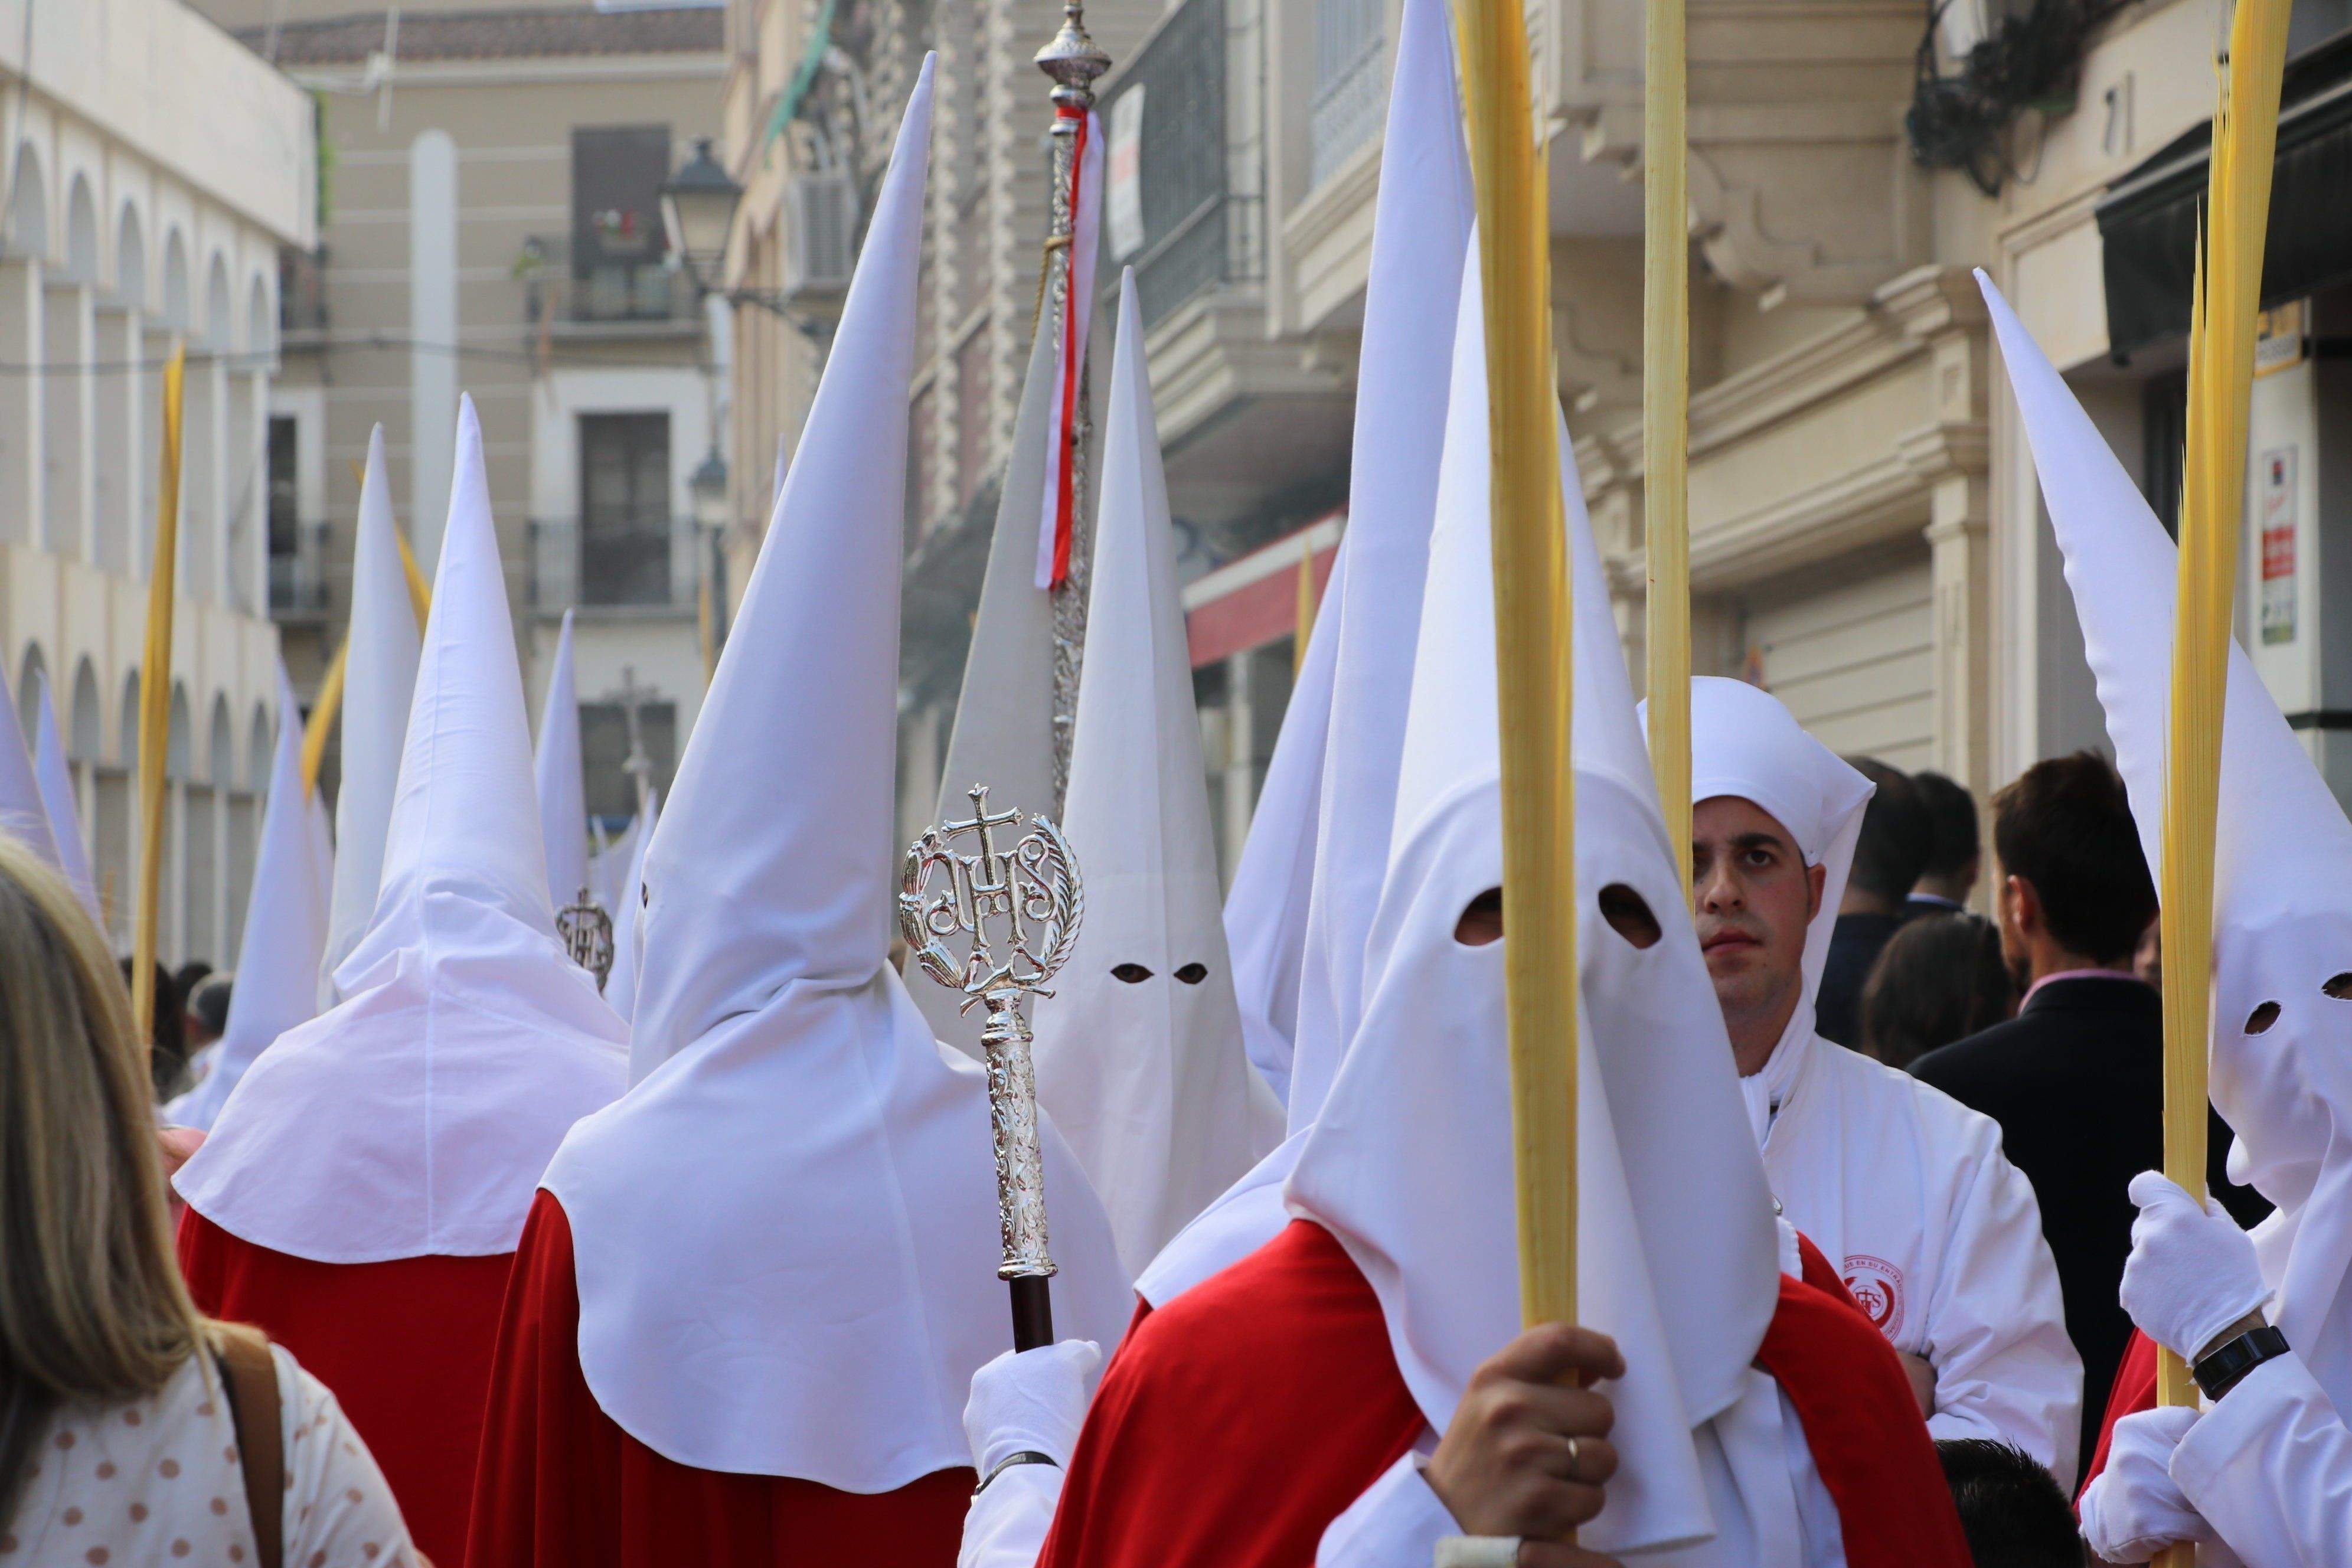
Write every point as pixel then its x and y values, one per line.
pixel 91 1303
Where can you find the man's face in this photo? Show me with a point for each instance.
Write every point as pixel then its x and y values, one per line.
pixel 1753 896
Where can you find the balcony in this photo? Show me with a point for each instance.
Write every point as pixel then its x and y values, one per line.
pixel 653 571
pixel 1198 229
pixel 605 296
pixel 298 586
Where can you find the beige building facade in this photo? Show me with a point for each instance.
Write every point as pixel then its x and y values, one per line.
pixel 492 226
pixel 123 234
pixel 1866 533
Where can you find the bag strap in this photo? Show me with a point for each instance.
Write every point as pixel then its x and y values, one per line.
pixel 251 1374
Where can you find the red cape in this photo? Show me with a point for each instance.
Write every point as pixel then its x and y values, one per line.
pixel 560 1485
pixel 1237 1421
pixel 2134 1390
pixel 405 1346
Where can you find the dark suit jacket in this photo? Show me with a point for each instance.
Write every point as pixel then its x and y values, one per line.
pixel 2076 1082
pixel 1855 944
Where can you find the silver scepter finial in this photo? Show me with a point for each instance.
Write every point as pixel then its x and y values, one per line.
pixel 587 934
pixel 1014 912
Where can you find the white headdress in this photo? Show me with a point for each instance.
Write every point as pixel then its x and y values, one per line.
pixel 785 1236
pixel 2282 1043
pixel 56 782
pixel 285 929
pixel 414 1118
pixel 381 648
pixel 1139 1054
pixel 1410 1165
pixel 555 764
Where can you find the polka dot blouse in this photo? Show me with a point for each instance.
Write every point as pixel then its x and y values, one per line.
pixel 157 1482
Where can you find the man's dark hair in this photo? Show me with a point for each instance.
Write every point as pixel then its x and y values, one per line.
pixel 2065 826
pixel 189 975
pixel 1893 850
pixel 2010 1509
pixel 1952 840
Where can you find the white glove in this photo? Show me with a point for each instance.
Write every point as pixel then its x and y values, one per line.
pixel 2191 1272
pixel 2132 1511
pixel 1033 1400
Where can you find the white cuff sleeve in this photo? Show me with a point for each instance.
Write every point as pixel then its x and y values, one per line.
pixel 1397 1523
pixel 1006 1524
pixel 2270 1468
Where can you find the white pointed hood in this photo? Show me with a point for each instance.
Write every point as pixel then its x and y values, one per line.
pixel 379 681
pixel 563 794
pixel 1266 907
pixel 1003 733
pixel 628 912
pixel 285 929
pixel 57 805
pixel 1420 228
pixel 1139 1052
pixel 785 1236
pixel 414 1118
pixel 2282 863
pixel 22 812
pixel 1410 1162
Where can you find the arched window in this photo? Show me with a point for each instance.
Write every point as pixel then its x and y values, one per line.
pixel 81 234
pixel 29 206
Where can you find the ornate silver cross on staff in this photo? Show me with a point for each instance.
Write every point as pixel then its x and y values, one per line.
pixel 1019 908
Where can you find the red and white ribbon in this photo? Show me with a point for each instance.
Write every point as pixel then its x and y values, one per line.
pixel 1060 511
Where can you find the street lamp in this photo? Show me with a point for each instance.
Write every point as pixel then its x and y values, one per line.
pixel 708 485
pixel 698 206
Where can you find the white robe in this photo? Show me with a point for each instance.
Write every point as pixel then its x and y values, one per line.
pixel 1938 1237
pixel 2270 1468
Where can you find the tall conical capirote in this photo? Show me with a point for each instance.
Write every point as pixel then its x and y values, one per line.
pixel 383 646
pixel 1421 225
pixel 562 791
pixel 1139 1054
pixel 416 1116
pixel 54 779
pixel 1266 903
pixel 2281 1061
pixel 1409 1162
pixel 1003 730
pixel 285 929
pixel 785 1237
pixel 22 813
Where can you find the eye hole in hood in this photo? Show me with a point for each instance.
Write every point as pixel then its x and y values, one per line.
pixel 1193 973
pixel 1628 914
pixel 2262 1018
pixel 1131 973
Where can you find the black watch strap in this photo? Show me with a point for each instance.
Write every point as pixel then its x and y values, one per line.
pixel 2225 1366
pixel 1025 1457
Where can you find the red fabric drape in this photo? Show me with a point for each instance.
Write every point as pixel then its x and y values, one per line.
pixel 1863 1424
pixel 405 1346
pixel 2132 1390
pixel 560 1485
pixel 1238 1420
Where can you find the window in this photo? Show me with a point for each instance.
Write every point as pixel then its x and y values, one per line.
pixel 612 793
pixel 285 500
pixel 624 508
pixel 617 241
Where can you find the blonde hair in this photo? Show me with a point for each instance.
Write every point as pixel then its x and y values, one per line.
pixel 91 1303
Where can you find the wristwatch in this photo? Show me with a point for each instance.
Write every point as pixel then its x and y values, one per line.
pixel 1025 1457
pixel 2226 1365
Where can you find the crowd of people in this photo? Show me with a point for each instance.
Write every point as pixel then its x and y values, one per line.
pixel 470 1256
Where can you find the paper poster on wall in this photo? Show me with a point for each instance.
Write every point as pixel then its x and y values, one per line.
pixel 2276 480
pixel 1123 184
